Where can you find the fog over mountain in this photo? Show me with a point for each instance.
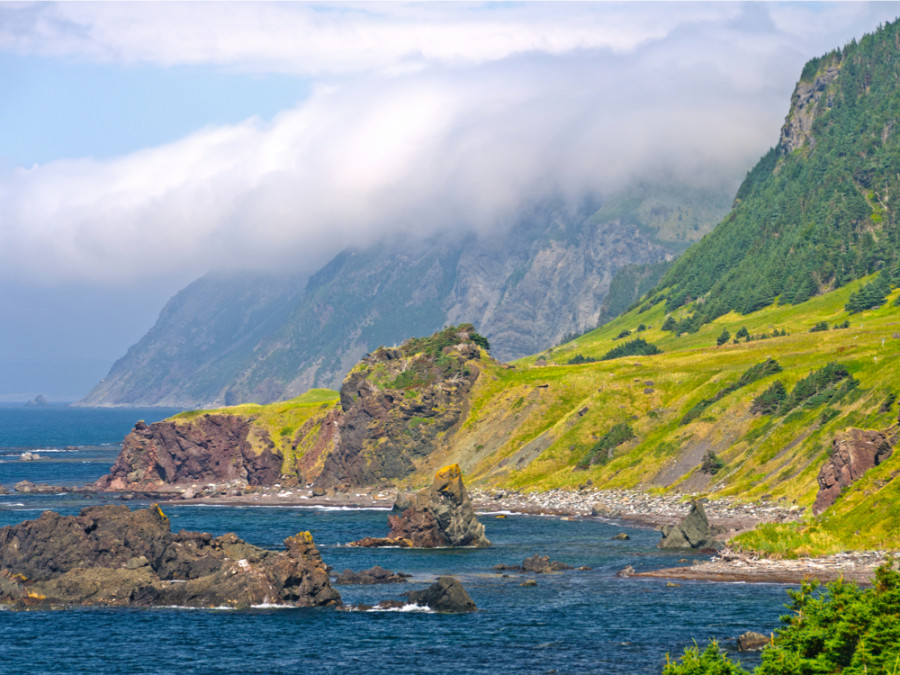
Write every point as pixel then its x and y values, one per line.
pixel 416 120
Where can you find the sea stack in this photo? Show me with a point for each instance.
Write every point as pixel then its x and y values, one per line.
pixel 436 516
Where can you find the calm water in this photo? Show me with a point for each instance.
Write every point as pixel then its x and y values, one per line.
pixel 575 622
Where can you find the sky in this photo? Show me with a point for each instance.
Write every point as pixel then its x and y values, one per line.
pixel 143 144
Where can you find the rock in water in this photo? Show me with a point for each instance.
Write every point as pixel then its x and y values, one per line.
pixel 852 454
pixel 439 515
pixel 444 595
pixel 751 641
pixel 373 575
pixel 109 555
pixel 693 532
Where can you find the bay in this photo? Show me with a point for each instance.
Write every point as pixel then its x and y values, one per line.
pixel 572 622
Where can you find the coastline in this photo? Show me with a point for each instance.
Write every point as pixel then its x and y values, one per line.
pixel 631 507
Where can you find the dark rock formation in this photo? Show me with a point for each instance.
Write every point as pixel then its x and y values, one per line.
pixel 852 454
pixel 397 404
pixel 439 515
pixel 444 595
pixel 693 532
pixel 752 641
pixel 539 564
pixel 205 449
pixel 108 555
pixel 373 575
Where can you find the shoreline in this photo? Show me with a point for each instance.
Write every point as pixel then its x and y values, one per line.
pixel 627 507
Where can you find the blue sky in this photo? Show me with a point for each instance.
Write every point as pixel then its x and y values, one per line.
pixel 71 109
pixel 142 144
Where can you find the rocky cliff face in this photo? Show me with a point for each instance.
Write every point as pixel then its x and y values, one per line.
pixel 236 338
pixel 852 454
pixel 811 99
pixel 396 407
pixel 397 404
pixel 209 449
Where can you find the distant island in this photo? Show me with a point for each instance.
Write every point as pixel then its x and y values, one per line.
pixel 39 401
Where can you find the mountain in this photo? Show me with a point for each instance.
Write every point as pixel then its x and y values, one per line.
pixel 792 403
pixel 817 211
pixel 239 337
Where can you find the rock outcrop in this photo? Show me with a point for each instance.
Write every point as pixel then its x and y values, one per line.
pixel 539 564
pixel 439 515
pixel 205 449
pixel 109 555
pixel 373 575
pixel 444 595
pixel 693 532
pixel 852 454
pixel 811 99
pixel 398 403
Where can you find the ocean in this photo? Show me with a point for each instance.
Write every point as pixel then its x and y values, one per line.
pixel 571 622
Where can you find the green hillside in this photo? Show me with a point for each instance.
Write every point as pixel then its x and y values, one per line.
pixel 816 212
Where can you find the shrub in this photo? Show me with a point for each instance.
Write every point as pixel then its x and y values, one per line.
pixel 636 347
pixel 724 337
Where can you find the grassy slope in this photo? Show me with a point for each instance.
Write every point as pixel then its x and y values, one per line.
pixel 293 425
pixel 529 424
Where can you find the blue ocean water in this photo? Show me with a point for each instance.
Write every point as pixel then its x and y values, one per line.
pixel 572 622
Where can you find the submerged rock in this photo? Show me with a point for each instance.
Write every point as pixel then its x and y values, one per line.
pixel 27 487
pixel 539 564
pixel 436 516
pixel 693 532
pixel 444 595
pixel 373 575
pixel 109 555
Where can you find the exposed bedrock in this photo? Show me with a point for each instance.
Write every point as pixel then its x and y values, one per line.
pixel 109 555
pixel 206 449
pixel 852 454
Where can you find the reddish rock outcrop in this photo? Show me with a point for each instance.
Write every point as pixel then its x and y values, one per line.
pixel 436 516
pixel 852 454
pixel 108 555
pixel 206 449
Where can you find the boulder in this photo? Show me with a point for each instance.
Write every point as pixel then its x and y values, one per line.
pixel 109 555
pixel 852 454
pixel 383 542
pixel 693 532
pixel 541 564
pixel 436 516
pixel 622 536
pixel 752 641
pixel 374 575
pixel 444 595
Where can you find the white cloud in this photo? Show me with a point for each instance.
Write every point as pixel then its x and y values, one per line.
pixel 329 38
pixel 525 100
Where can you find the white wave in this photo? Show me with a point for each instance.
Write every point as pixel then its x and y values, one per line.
pixel 14 504
pixel 406 608
pixel 498 513
pixel 321 507
pixel 271 605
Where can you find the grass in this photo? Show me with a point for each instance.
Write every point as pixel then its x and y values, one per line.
pixel 530 423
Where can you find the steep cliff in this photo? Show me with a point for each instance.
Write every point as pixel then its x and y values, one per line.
pixel 234 338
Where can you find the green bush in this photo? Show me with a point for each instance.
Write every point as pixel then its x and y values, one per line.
pixel 843 629
pixel 636 347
